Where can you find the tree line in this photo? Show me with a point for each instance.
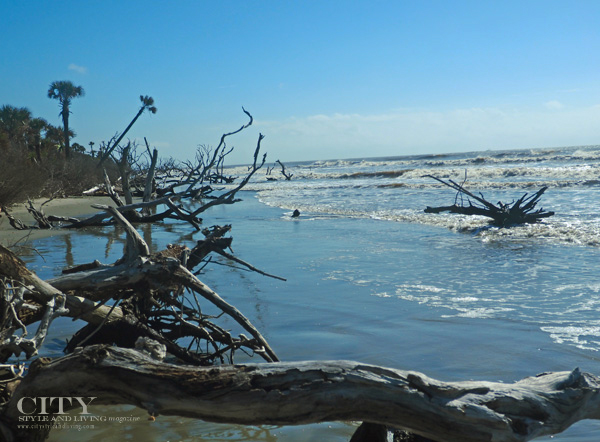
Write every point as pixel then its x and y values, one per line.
pixel 38 156
pixel 21 131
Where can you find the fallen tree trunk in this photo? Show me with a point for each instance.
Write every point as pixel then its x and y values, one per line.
pixel 502 215
pixel 309 392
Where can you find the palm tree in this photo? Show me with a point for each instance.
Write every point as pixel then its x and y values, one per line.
pixel 34 134
pixel 64 92
pixel 147 104
pixel 54 139
pixel 13 125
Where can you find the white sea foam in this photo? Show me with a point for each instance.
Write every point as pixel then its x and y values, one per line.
pixel 479 312
pixel 403 199
pixel 579 336
pixel 396 189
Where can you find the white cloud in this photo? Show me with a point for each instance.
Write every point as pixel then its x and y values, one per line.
pixel 414 131
pixel 553 104
pixel 78 69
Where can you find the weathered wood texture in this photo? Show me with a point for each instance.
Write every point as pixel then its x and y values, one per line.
pixel 308 392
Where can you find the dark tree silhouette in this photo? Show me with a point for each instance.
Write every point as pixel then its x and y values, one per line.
pixel 13 124
pixel 64 92
pixel 35 127
pixel 20 131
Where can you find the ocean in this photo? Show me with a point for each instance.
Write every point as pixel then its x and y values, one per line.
pixel 372 278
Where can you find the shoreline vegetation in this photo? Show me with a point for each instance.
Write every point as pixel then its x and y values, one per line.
pixel 146 332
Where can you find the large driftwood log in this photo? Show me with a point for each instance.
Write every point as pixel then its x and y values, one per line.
pixel 308 392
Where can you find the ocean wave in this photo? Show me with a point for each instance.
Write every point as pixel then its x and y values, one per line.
pixel 511 158
pixel 488 176
pixel 477 180
pixel 560 231
pixel 375 174
pixel 398 189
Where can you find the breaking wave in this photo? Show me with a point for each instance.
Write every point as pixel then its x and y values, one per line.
pixel 399 188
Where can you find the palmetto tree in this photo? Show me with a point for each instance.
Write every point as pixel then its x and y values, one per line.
pixel 35 127
pixel 64 92
pixel 147 104
pixel 21 131
pixel 54 138
pixel 13 124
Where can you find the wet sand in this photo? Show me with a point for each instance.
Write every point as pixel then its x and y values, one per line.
pixel 77 207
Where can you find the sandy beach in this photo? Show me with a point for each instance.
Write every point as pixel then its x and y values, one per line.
pixel 76 206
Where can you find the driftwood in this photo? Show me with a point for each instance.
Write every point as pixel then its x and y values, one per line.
pixel 288 176
pixel 147 343
pixel 150 288
pixel 16 223
pixel 130 211
pixel 201 171
pixel 215 242
pixel 140 212
pixel 110 190
pixel 502 215
pixel 149 186
pixel 308 392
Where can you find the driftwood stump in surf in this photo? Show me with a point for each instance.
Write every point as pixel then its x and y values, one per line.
pixel 517 212
pixel 288 176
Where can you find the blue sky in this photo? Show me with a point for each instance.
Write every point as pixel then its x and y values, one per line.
pixel 323 79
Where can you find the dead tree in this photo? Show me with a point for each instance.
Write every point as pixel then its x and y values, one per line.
pixel 208 167
pixel 215 242
pixel 149 187
pixel 149 297
pixel 124 165
pixel 199 173
pixel 147 105
pixel 39 215
pixel 288 176
pixel 138 212
pixel 110 190
pixel 502 215
pixel 218 176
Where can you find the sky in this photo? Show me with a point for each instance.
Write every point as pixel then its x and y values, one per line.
pixel 322 79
